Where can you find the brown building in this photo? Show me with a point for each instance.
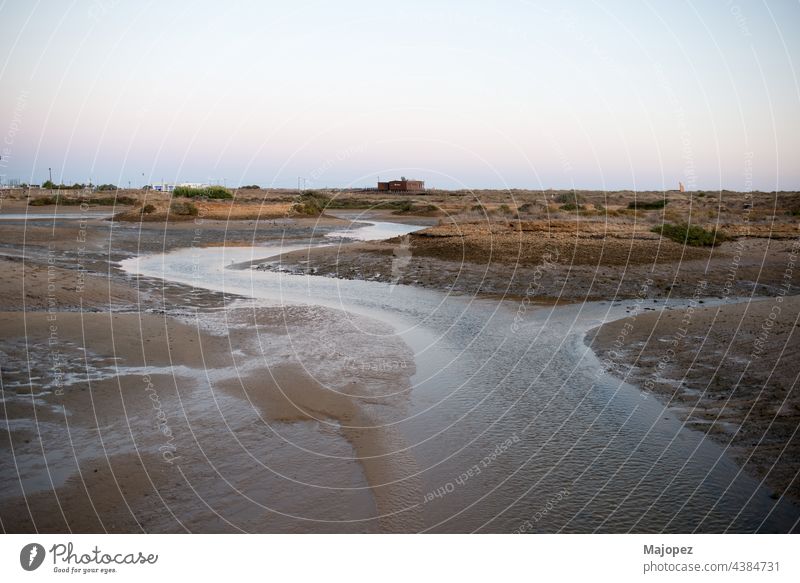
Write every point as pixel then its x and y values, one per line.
pixel 402 185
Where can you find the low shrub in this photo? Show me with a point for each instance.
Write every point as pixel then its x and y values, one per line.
pixel 217 192
pixel 569 198
pixel 572 207
pixel 184 209
pixel 91 201
pixel 49 184
pixel 311 203
pixel 148 209
pixel 641 205
pixel 692 235
pixel 43 201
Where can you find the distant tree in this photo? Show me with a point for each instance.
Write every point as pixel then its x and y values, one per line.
pixel 48 184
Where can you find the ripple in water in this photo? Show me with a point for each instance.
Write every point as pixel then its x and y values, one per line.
pixel 512 428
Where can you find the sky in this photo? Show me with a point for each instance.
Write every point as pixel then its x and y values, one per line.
pixel 462 94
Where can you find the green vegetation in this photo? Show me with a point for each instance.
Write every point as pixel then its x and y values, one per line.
pixel 91 201
pixel 250 187
pixel 311 203
pixel 692 235
pixel 572 207
pixel 653 205
pixel 571 197
pixel 52 186
pixel 217 192
pixel 184 209
pixel 49 185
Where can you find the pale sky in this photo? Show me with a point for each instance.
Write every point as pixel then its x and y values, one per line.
pixel 508 94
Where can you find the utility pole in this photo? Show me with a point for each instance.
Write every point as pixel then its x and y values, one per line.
pixel 50 171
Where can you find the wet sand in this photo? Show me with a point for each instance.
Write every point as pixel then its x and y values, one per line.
pixel 729 371
pixel 101 373
pixel 112 377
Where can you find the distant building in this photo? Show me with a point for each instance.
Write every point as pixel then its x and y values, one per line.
pixel 402 185
pixel 681 187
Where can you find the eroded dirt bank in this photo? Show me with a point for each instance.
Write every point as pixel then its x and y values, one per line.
pixel 556 262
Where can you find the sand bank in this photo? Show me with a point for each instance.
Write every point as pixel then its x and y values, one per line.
pixel 729 371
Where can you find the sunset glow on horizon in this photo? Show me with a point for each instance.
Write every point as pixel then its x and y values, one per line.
pixel 459 94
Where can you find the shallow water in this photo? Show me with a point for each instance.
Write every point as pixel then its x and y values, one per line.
pixel 511 427
pixel 373 231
